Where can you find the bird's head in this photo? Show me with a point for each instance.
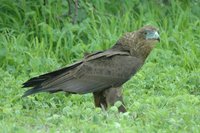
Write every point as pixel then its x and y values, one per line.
pixel 139 43
pixel 147 35
pixel 144 40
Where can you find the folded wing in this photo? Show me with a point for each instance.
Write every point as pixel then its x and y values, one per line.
pixel 96 72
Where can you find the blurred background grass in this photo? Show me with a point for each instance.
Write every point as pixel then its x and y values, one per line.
pixel 41 36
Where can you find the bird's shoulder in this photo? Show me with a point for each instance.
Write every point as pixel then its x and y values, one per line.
pixel 103 54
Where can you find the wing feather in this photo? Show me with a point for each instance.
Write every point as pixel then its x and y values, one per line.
pixel 97 72
pixel 95 76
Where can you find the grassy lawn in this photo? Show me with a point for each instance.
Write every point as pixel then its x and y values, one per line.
pixel 164 96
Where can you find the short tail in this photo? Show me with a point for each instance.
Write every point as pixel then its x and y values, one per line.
pixel 36 82
pixel 32 91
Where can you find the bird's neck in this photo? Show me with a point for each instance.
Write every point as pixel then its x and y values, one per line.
pixel 144 51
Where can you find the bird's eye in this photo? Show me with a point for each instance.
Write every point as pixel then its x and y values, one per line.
pixel 145 32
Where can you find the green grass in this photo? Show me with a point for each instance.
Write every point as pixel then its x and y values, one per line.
pixel 164 96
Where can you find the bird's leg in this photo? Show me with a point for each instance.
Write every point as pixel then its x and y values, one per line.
pixel 108 97
pixel 113 95
pixel 100 100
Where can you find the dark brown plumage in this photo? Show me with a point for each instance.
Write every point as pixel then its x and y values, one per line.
pixel 101 73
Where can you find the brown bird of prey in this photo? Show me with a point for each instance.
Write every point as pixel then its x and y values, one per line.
pixel 101 73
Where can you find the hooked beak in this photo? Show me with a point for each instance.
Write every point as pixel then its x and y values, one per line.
pixel 153 35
